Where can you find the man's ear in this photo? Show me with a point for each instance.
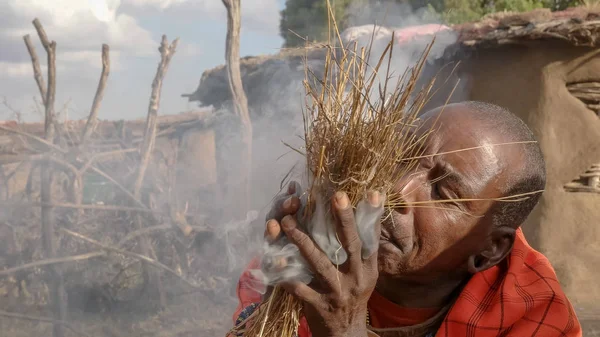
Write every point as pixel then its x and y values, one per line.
pixel 501 243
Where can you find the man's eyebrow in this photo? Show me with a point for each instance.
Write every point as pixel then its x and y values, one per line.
pixel 457 180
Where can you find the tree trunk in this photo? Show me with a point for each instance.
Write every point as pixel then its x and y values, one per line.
pixel 152 277
pixel 57 287
pixel 239 102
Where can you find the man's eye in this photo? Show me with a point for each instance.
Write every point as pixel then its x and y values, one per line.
pixel 435 189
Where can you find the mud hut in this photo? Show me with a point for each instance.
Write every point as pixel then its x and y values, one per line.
pixel 545 67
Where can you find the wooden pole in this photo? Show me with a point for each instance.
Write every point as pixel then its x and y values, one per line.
pixel 239 100
pixel 37 70
pixel 93 116
pixel 57 288
pixel 147 146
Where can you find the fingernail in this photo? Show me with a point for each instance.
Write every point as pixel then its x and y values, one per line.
pixel 292 187
pixel 287 203
pixel 272 229
pixel 341 199
pixel 288 222
pixel 373 197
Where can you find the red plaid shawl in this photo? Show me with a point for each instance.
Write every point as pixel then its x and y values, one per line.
pixel 521 297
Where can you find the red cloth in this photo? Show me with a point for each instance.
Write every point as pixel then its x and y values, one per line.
pixel 520 297
pixel 387 314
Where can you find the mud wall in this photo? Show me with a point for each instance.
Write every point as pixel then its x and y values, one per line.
pixel 532 82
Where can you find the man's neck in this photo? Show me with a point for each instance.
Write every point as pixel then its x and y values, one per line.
pixel 409 294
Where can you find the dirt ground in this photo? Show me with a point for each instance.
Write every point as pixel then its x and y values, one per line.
pixel 93 311
pixel 192 315
pixel 107 295
pixel 195 315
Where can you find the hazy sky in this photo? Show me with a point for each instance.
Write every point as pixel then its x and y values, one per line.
pixel 133 29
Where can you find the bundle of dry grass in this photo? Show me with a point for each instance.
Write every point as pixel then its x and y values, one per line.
pixel 357 139
pixel 359 136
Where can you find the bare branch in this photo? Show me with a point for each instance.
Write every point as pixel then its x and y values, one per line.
pixel 42 34
pixel 15 158
pixel 57 292
pixel 136 233
pixel 48 144
pixel 51 92
pixel 37 70
pixel 47 262
pixel 88 165
pixel 102 155
pixel 76 206
pixel 166 53
pixel 130 254
pixel 121 187
pixel 92 119
pixel 147 146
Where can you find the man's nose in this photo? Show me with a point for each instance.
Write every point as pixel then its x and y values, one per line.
pixel 407 188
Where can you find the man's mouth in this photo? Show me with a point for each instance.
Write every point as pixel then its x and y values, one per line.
pixel 393 234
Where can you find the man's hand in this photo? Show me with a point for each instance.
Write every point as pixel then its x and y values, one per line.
pixel 276 262
pixel 335 303
pixel 287 203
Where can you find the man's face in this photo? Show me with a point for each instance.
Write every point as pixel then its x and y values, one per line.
pixel 432 237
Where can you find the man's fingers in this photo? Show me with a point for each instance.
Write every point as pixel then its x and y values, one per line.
pixel 316 259
pixel 368 217
pixel 303 292
pixel 347 230
pixel 272 230
pixel 283 206
pixel 293 187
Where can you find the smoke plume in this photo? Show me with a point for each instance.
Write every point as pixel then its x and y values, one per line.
pixel 280 121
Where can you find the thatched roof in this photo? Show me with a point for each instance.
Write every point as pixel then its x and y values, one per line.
pixel 578 26
pixel 286 66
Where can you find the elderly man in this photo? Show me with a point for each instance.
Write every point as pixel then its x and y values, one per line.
pixel 452 269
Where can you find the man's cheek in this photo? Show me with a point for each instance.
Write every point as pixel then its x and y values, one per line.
pixel 386 262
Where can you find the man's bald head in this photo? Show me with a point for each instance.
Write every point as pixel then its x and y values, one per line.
pixel 527 177
pixel 474 152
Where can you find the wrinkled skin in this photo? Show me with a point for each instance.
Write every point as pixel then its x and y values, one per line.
pixel 428 248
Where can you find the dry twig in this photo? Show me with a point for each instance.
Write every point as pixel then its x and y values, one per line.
pixel 79 206
pixel 51 92
pixel 44 142
pixel 133 255
pixel 92 119
pixel 47 262
pixel 166 53
pixel 37 70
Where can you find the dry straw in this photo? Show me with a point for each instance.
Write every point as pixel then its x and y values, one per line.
pixel 359 136
pixel 361 133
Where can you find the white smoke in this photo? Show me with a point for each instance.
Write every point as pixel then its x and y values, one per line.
pixel 281 118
